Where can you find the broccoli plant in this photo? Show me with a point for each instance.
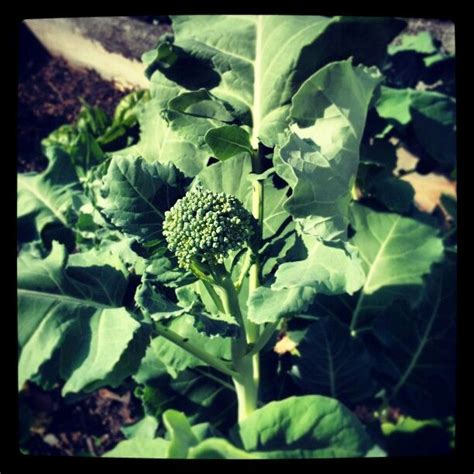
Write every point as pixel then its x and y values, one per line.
pixel 252 265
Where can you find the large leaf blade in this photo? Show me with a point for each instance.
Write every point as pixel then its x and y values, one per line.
pixel 309 426
pixel 396 252
pixel 53 303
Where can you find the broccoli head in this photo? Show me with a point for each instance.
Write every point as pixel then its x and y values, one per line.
pixel 205 226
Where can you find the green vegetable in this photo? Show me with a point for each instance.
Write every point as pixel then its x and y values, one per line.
pixel 203 227
pixel 203 247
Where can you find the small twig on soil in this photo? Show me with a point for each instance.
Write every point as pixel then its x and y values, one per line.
pixel 90 447
pixel 56 90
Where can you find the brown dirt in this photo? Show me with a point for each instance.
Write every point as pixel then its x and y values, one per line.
pixel 48 96
pixel 88 427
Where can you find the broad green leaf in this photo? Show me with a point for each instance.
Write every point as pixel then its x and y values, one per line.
pixel 309 426
pixel 45 199
pixel 394 105
pixel 155 305
pixel 396 194
pixel 260 61
pixel 209 321
pixel 411 437
pixel 123 250
pixel 434 123
pixel 228 141
pixel 321 268
pixel 201 394
pixel 268 305
pixel 94 272
pixel 432 114
pixel 218 448
pixel 330 269
pixel 274 214
pixel 333 363
pixel 158 142
pixel 396 252
pixel 232 177
pixel 418 352
pixel 151 366
pixel 181 436
pixel 193 114
pixel 140 448
pixel 176 359
pixel 144 429
pixel 421 43
pixel 138 194
pixel 164 270
pixel 320 160
pixel 54 300
pixel 111 331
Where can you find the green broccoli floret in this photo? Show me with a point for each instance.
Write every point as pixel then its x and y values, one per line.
pixel 205 226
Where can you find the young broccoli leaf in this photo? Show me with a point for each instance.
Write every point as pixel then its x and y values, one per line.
pixel 320 158
pixel 45 199
pixel 333 363
pixel 138 194
pixel 416 356
pixel 262 60
pixel 53 300
pixel 328 269
pixel 309 426
pixel 396 252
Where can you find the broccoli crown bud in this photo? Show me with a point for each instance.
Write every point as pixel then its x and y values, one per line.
pixel 205 226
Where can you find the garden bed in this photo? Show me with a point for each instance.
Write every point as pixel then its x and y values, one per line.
pixel 52 93
pixel 49 93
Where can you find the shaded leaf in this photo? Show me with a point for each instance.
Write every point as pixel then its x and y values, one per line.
pixel 181 436
pixel 45 199
pixel 309 426
pixel 396 252
pixel 228 141
pixel 138 194
pixel 218 448
pixel 333 363
pixel 52 304
pixel 419 348
pixel 140 448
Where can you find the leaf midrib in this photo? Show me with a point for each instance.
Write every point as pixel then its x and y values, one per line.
pixel 135 188
pixel 380 252
pixel 44 200
pixel 65 298
pixel 422 343
pixel 257 92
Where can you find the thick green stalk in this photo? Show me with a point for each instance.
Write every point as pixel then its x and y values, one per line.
pixel 185 344
pixel 254 279
pixel 246 383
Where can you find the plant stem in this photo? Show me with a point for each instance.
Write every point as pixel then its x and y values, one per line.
pixel 263 339
pixel 214 296
pixel 254 279
pixel 185 344
pixel 246 384
pixel 216 379
pixel 245 269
